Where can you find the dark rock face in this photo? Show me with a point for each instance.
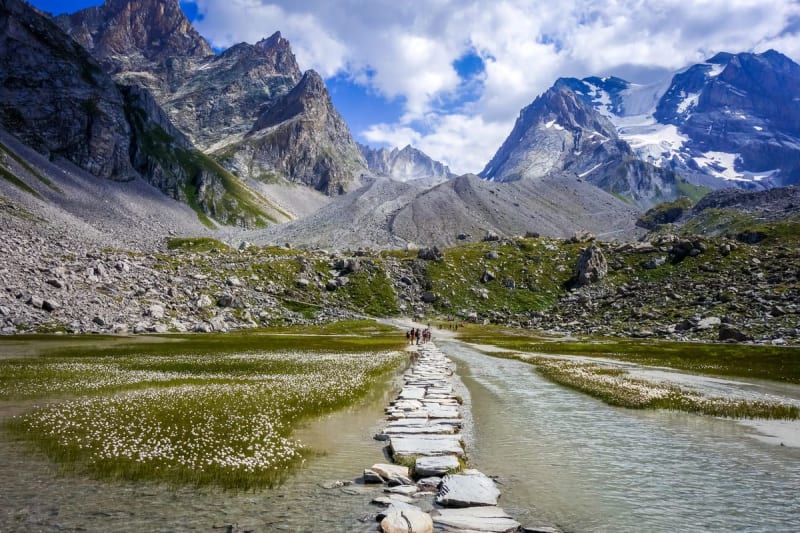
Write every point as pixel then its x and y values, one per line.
pixel 561 132
pixel 403 165
pixel 303 137
pixel 750 108
pixel 56 98
pixel 131 35
pixel 249 107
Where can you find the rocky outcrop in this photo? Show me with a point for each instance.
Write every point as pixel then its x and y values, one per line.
pixel 56 98
pixel 404 165
pixel 248 107
pixel 303 137
pixel 591 267
pixel 136 35
pixel 559 132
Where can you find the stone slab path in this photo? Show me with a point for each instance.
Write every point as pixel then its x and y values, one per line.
pixel 428 489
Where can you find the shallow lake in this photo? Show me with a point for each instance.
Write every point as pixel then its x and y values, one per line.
pixel 587 466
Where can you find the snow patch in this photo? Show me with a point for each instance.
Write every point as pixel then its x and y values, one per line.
pixel 553 125
pixel 688 102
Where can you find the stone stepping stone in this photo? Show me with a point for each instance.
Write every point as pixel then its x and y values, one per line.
pixel 489 519
pixel 392 498
pixel 403 446
pixel 388 470
pixel 409 521
pixel 443 412
pixel 412 393
pixel 405 490
pixel 434 429
pixel 435 466
pixel 467 490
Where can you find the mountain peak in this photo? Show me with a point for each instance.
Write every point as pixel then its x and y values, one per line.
pixel 141 31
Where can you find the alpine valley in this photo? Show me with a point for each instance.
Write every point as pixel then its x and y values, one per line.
pixel 151 183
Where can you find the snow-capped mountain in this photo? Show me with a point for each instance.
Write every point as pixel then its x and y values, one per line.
pixel 561 133
pixel 732 120
pixel 405 164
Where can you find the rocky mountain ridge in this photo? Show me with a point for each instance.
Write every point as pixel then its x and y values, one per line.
pixel 225 102
pixel 730 121
pixel 559 132
pixel 404 164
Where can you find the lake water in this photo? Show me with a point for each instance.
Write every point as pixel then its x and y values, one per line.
pixel 587 466
pixel 561 457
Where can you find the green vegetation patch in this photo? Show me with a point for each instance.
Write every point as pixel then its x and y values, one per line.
pixel 778 363
pixel 664 213
pixel 196 244
pixel 197 412
pixel 615 387
pixel 527 275
pixel 24 164
pixel 11 178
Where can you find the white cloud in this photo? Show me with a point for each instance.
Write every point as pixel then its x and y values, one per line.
pixel 407 49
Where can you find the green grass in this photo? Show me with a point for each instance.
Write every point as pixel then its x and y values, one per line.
pixel 196 244
pixel 11 178
pixel 775 363
pixel 24 164
pixel 215 409
pixel 694 193
pixel 614 387
pixel 540 269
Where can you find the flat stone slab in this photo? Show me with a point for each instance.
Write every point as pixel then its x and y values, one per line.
pixel 412 393
pixel 391 498
pixel 432 429
pixel 396 507
pixel 405 490
pixel 490 519
pixel 404 446
pixel 435 466
pixel 388 470
pixel 467 490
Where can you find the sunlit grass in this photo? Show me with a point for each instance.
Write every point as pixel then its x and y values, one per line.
pixel 616 387
pixel 228 423
pixel 183 411
pixel 779 363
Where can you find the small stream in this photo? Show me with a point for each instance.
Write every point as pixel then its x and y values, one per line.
pixel 574 461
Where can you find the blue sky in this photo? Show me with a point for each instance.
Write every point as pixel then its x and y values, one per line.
pixel 450 76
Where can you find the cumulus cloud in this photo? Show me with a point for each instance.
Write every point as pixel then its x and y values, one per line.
pixel 407 50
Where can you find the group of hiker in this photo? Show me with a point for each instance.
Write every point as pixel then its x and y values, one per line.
pixel 418 336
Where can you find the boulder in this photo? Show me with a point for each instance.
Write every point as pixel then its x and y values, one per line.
pixel 370 476
pixel 35 301
pixel 582 236
pixel 509 283
pixel 467 490
pixel 728 332
pixel 435 466
pixel 407 521
pixel 302 283
pixel 428 297
pixel 592 266
pixel 55 283
pixel 331 285
pixel 50 305
pixel 491 237
pixel 388 470
pixel 487 276
pixel 492 255
pixel 430 254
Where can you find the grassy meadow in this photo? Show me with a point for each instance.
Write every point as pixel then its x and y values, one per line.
pixel 191 409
